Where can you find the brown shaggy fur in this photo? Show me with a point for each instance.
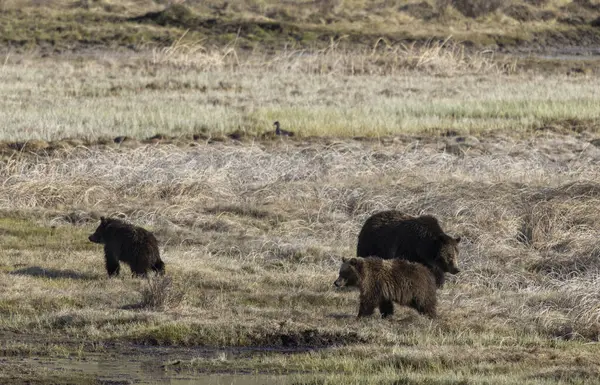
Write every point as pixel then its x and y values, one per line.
pixel 131 244
pixel 393 234
pixel 383 282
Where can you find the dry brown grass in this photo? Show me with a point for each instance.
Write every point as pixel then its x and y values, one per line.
pixel 254 234
pixel 384 59
pixel 160 293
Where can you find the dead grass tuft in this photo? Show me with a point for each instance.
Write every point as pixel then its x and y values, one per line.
pixel 161 292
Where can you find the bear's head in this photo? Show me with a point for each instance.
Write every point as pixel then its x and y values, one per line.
pixel 448 257
pixel 349 273
pixel 98 236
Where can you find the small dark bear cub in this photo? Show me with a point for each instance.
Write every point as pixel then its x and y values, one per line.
pixel 394 234
pixel 133 245
pixel 383 282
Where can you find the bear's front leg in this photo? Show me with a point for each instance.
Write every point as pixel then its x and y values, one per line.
pixel 112 265
pixel 139 274
pixel 366 308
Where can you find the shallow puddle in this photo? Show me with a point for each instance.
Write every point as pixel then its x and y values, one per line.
pixel 160 366
pixel 131 372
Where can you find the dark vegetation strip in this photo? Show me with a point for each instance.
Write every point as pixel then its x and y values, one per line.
pixel 577 24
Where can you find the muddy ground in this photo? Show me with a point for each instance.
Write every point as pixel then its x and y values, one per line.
pixel 113 363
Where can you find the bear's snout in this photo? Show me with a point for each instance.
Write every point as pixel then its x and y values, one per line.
pixel 454 270
pixel 337 283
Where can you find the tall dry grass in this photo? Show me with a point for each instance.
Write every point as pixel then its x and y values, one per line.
pixel 445 57
pixel 528 221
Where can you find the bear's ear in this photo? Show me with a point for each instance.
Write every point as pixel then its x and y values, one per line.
pixel 344 259
pixel 102 219
pixel 457 239
pixel 353 261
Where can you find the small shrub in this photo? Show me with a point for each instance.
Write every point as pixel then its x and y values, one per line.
pixel 477 8
pixel 422 10
pixel 328 6
pixel 520 12
pixel 442 5
pixel 162 293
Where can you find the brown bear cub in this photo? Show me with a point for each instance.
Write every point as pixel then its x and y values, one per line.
pixel 393 234
pixel 133 245
pixel 383 282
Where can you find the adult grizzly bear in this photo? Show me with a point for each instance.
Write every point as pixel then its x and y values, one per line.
pixel 131 244
pixel 383 282
pixel 393 234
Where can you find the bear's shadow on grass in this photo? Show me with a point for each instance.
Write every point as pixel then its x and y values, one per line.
pixel 36 271
pixel 407 317
pixel 341 316
pixel 134 306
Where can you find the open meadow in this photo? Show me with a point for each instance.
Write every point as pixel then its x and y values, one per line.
pixel 179 138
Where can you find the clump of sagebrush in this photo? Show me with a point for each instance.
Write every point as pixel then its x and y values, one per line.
pixel 162 293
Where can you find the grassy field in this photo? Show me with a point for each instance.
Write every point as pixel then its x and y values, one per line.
pixel 252 236
pixel 180 92
pixel 166 119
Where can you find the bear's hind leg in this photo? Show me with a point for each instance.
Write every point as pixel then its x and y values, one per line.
pixel 426 307
pixel 138 271
pixel 386 308
pixel 159 267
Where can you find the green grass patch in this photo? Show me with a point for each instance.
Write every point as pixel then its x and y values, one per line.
pixel 21 234
pixel 69 29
